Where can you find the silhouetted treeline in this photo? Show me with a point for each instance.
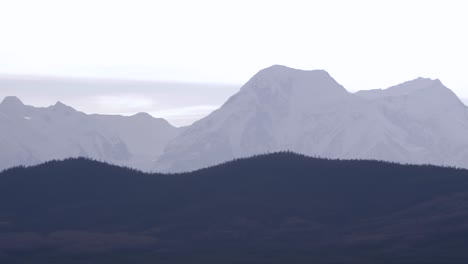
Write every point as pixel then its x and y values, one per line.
pixel 276 208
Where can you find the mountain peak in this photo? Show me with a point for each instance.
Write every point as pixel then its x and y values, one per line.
pixel 143 115
pixel 12 101
pixel 409 87
pixel 60 104
pixel 12 104
pixel 279 79
pixel 420 83
pixel 282 70
pixel 61 107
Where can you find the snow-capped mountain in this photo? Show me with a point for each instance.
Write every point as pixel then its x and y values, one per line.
pixel 30 135
pixel 280 108
pixel 420 121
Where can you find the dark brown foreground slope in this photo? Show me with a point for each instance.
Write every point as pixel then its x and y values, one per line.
pixel 277 208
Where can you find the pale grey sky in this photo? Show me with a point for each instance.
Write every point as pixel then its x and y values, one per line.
pixel 363 44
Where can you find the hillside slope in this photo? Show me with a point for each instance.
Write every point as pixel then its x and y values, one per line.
pixel 277 208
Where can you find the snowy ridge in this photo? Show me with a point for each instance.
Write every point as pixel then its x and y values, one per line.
pixel 32 135
pixel 278 109
pixel 308 112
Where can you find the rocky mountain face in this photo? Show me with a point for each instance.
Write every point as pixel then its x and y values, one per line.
pixel 308 112
pixel 31 135
pixel 279 109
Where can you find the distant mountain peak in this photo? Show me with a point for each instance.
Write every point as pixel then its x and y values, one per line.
pixel 288 80
pixel 59 106
pixel 409 87
pixel 143 115
pixel 12 105
pixel 281 71
pixel 422 82
pixel 11 101
pixel 278 67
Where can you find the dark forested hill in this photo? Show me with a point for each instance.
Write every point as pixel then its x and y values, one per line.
pixel 277 208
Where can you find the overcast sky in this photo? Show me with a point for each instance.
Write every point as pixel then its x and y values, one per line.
pixel 362 44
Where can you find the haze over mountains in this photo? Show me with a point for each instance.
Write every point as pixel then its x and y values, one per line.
pixel 280 108
pixel 420 121
pixel 31 135
pixel 180 104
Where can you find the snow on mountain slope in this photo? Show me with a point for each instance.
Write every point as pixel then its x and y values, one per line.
pixel 31 135
pixel 400 89
pixel 308 112
pixel 419 121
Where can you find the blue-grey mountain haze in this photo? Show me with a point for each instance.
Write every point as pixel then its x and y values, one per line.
pixel 179 103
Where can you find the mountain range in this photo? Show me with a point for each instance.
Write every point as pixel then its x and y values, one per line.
pixel 308 112
pixel 280 108
pixel 30 135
